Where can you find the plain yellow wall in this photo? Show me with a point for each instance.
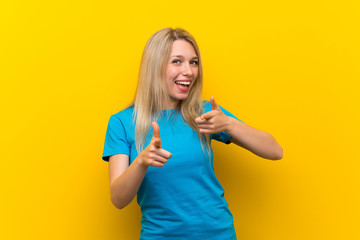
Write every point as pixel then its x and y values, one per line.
pixel 290 68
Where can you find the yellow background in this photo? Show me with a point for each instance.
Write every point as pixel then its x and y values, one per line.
pixel 290 68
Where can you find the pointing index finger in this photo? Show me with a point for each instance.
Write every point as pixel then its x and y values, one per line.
pixel 156 130
pixel 156 134
pixel 214 105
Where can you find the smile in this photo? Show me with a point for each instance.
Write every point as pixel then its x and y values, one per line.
pixel 185 83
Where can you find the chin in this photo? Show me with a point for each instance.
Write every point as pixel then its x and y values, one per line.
pixel 182 98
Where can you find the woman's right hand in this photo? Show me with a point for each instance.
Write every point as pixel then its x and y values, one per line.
pixel 153 154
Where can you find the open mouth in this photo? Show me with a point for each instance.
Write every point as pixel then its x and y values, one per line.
pixel 183 85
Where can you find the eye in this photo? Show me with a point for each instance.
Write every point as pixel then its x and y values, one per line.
pixel 194 62
pixel 176 61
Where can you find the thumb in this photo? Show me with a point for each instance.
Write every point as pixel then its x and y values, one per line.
pixel 156 134
pixel 214 104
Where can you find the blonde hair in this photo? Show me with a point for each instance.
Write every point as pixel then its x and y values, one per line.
pixel 151 94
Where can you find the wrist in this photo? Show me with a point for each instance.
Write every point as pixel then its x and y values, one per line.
pixel 228 124
pixel 141 161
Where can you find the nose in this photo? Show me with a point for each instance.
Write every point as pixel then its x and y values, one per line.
pixel 187 71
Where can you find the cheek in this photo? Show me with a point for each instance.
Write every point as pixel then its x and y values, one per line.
pixel 170 79
pixel 170 74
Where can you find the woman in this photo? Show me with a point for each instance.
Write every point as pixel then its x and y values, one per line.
pixel 172 172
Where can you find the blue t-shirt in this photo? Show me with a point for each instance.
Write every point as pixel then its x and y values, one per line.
pixel 183 199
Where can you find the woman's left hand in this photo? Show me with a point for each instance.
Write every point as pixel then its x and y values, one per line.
pixel 214 121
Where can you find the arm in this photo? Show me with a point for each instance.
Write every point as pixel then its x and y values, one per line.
pixel 258 142
pixel 125 180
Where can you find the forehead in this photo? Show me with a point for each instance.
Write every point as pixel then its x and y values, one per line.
pixel 184 48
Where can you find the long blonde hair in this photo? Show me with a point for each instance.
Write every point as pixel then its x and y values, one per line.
pixel 151 94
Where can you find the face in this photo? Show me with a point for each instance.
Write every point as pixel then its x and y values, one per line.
pixel 181 71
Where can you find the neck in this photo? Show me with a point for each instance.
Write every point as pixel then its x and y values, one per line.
pixel 171 104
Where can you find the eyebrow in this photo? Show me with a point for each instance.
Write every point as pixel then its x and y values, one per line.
pixel 183 56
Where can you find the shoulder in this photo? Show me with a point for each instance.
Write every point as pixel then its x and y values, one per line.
pixel 125 114
pixel 207 108
pixel 206 105
pixel 122 118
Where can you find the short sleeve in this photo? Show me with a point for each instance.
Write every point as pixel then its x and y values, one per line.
pixel 115 139
pixel 223 136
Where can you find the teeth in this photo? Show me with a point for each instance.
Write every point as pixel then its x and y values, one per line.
pixel 183 83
